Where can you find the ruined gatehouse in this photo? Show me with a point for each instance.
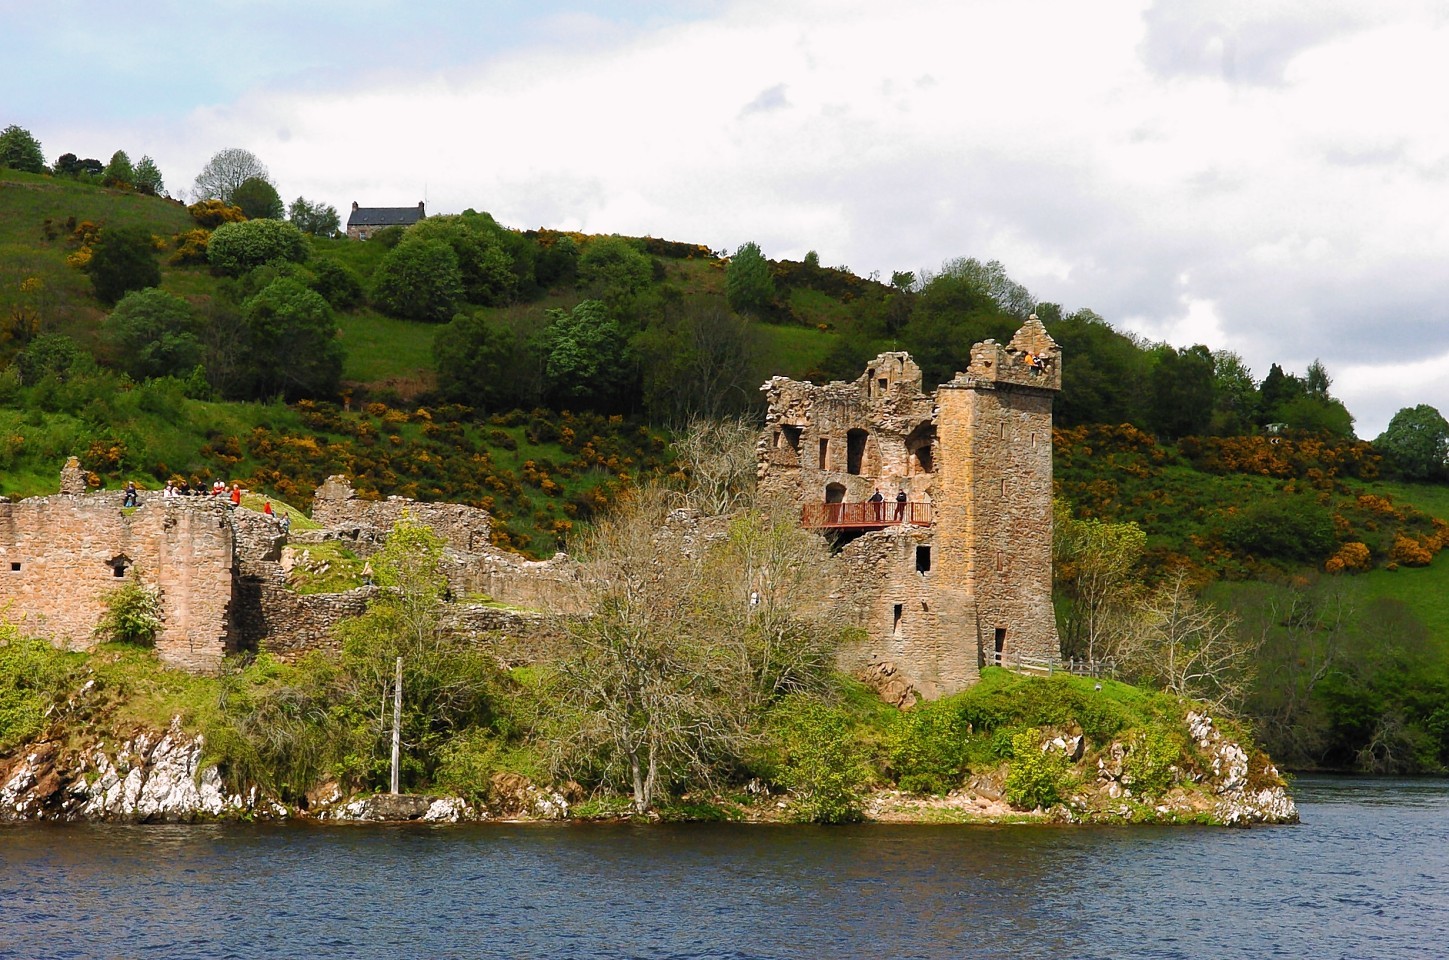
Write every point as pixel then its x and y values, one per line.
pixel 958 574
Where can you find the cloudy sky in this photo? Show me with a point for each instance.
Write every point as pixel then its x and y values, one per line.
pixel 1265 176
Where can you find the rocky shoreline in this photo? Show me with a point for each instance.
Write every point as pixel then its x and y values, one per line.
pixel 161 777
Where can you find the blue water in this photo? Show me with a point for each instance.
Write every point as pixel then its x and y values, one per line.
pixel 1366 875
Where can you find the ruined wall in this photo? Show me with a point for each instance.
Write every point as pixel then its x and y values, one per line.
pixel 464 528
pixel 61 555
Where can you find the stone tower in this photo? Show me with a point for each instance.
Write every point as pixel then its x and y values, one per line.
pixel 959 575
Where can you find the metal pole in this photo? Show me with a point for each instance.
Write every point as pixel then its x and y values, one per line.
pixel 396 722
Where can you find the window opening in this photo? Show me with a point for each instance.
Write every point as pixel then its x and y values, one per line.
pixel 854 450
pixel 14 566
pixel 1000 643
pixel 900 608
pixel 923 559
pixel 791 436
pixel 835 493
pixel 824 453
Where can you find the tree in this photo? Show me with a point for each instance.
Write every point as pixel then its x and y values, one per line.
pixel 155 334
pixel 483 363
pixel 695 363
pixel 318 219
pixel 148 177
pixel 485 268
pixel 50 355
pixel 20 151
pixel 1192 648
pixel 258 200
pixel 119 172
pixel 719 458
pixel 1182 392
pixel 749 285
pixel 337 284
pixel 1235 394
pixel 225 171
pixel 235 248
pixel 614 270
pixel 586 357
pixel 1095 566
pixel 419 280
pixel 123 259
pixel 683 652
pixel 289 345
pixel 988 280
pixel 1416 443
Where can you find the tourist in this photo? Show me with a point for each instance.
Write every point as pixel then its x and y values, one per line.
pixel 286 523
pixel 900 505
pixel 267 508
pixel 878 499
pixel 129 500
pixel 236 494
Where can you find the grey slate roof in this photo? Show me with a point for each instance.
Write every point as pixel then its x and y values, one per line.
pixel 385 216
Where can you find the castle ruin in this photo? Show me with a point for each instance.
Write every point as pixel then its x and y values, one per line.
pixel 958 574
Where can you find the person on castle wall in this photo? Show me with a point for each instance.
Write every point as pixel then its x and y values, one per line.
pixel 1036 363
pixel 267 508
pixel 878 499
pixel 170 490
pixel 236 494
pixel 900 504
pixel 185 489
pixel 367 572
pixel 286 523
pixel 218 488
pixel 130 499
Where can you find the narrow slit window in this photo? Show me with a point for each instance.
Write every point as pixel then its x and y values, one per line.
pixel 900 609
pixel 824 453
pixel 923 559
pixel 1003 486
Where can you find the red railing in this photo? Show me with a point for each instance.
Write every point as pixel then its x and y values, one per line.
pixel 858 516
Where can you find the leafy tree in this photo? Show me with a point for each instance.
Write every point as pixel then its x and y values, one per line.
pixel 258 199
pixel 148 177
pixel 586 357
pixel 1312 413
pixel 119 172
pixel 557 263
pixel 986 280
pixel 749 285
pixel 289 344
pixel 20 151
pixel 67 165
pixel 337 284
pixel 696 362
pixel 1095 565
pixel 1275 392
pixel 318 219
pixel 235 248
pixel 903 280
pixel 1282 528
pixel 1106 380
pixel 951 313
pixel 1416 444
pixel 419 280
pixel 484 266
pixel 483 364
pixel 1182 392
pixel 226 171
pixel 50 355
pixel 615 270
pixel 155 334
pixel 1235 394
pixel 123 259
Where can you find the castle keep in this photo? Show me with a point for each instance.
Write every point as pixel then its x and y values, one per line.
pixel 958 575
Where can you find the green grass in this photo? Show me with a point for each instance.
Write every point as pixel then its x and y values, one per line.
pixel 386 351
pixel 791 351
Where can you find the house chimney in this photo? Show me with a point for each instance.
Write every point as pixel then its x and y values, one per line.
pixel 354 204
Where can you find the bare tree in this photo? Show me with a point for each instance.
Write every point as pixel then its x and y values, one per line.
pixel 688 639
pixel 1192 648
pixel 1095 564
pixel 719 457
pixel 227 170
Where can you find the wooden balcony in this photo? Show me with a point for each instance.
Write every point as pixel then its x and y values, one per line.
pixel 864 516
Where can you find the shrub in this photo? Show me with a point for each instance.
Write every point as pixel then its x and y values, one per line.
pixel 236 248
pixel 133 615
pixel 1148 766
pixel 33 677
pixel 1038 777
pixel 822 764
pixel 927 748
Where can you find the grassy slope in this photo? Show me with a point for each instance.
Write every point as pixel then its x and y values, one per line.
pixel 1424 590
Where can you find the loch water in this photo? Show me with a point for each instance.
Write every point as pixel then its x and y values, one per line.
pixel 1366 875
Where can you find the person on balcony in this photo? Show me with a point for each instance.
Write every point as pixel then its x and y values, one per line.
pixel 900 505
pixel 878 499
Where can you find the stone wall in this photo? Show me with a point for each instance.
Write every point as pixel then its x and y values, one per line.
pixel 336 505
pixel 60 556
